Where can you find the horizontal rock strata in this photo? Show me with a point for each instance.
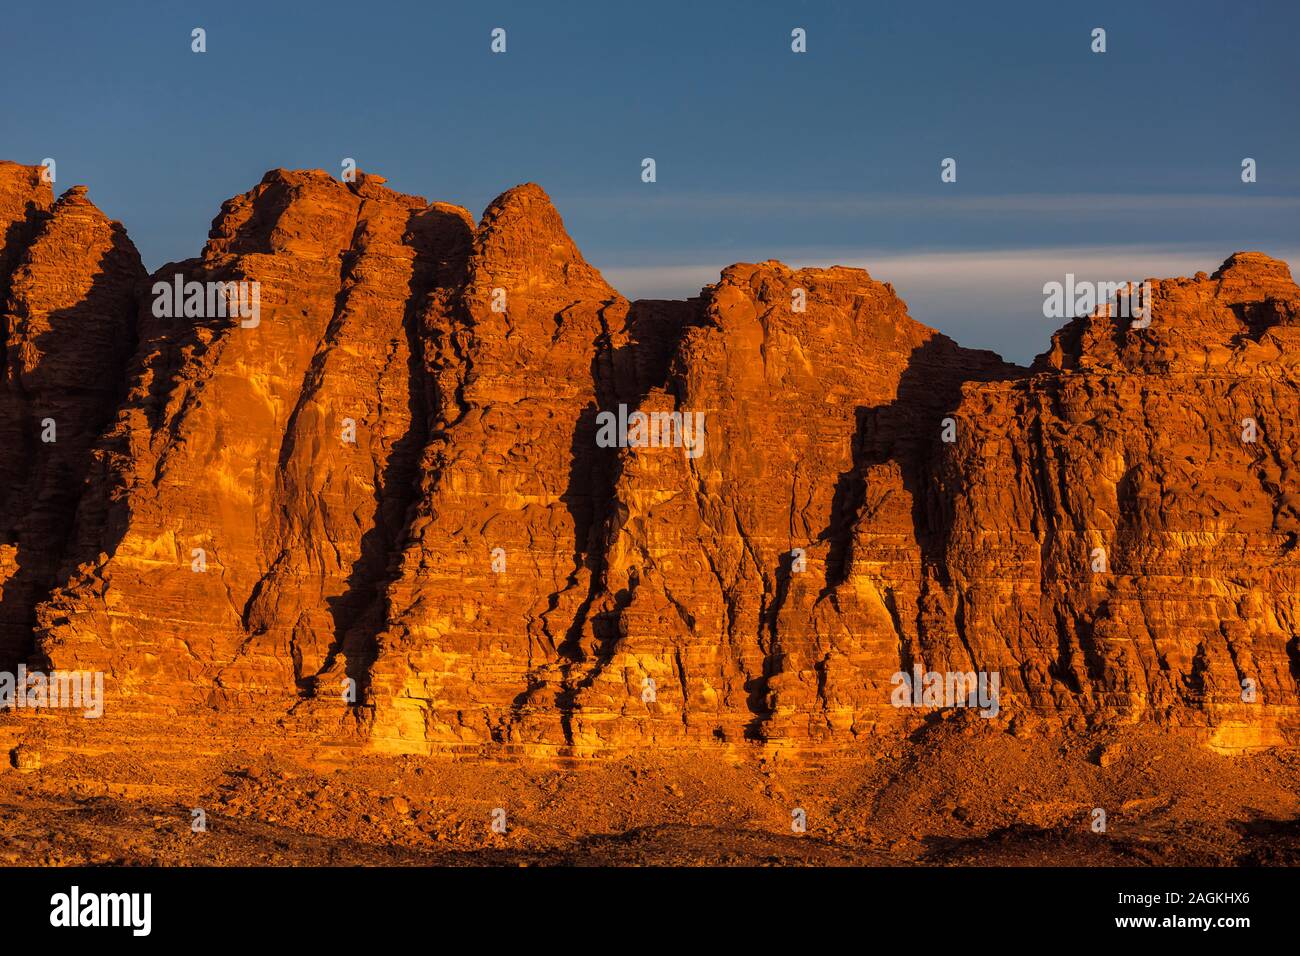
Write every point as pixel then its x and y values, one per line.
pixel 439 483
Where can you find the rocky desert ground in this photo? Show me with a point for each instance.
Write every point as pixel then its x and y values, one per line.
pixel 955 793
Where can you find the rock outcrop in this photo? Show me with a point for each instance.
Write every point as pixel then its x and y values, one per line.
pixel 68 281
pixel 1118 530
pixel 247 496
pixel 444 488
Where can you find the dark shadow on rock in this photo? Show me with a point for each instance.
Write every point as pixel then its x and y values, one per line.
pixel 441 241
pixel 17 239
pixel 77 384
pixel 622 374
pixel 908 432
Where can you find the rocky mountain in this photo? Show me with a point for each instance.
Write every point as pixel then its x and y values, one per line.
pixel 435 485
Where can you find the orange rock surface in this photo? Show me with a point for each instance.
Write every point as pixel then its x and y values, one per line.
pixel 385 509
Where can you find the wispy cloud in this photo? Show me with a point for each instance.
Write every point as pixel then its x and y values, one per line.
pixel 954 270
pixel 983 298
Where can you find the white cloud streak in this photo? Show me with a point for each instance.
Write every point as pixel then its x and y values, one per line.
pixel 984 299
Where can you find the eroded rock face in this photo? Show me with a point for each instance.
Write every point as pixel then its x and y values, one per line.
pixel 403 491
pixel 721 566
pixel 68 276
pixel 1119 529
pixel 506 539
pixel 256 478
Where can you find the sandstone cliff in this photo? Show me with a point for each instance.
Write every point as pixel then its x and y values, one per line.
pixel 68 278
pixel 386 503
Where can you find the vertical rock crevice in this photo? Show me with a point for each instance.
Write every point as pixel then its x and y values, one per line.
pixel 393 478
pixel 71 277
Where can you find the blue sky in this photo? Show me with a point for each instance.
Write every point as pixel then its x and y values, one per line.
pixel 1067 160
